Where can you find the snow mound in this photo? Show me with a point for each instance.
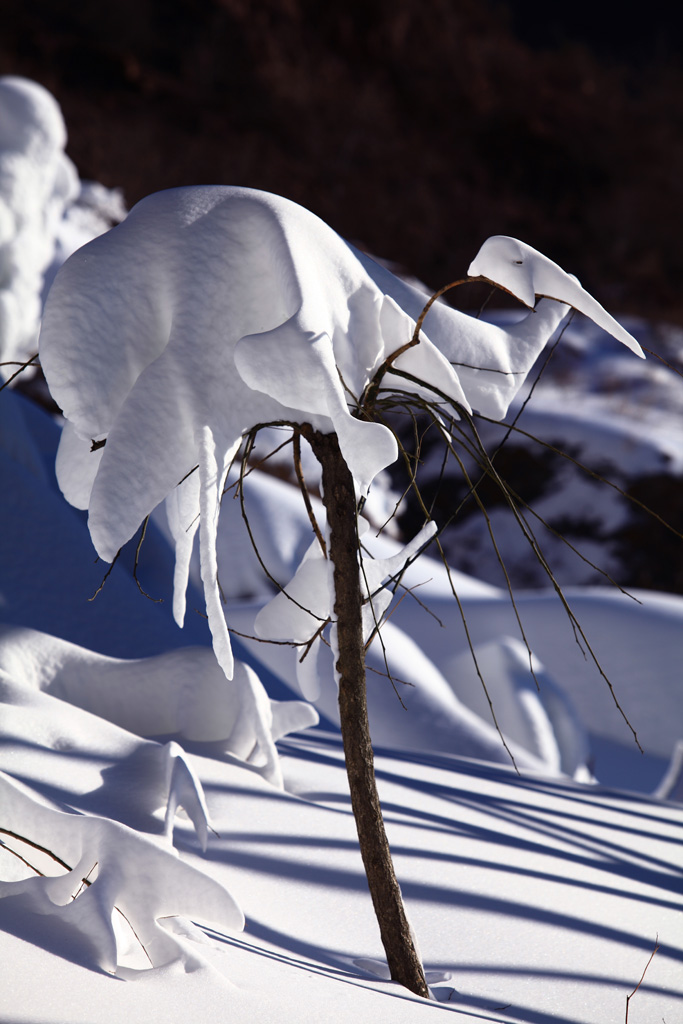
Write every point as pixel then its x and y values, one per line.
pixel 37 182
pixel 109 868
pixel 182 694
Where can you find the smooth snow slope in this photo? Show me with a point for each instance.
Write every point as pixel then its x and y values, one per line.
pixel 542 898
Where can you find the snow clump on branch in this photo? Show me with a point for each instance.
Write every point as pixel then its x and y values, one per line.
pixel 211 310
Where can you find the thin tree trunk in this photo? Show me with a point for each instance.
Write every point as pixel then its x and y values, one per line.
pixel 340 503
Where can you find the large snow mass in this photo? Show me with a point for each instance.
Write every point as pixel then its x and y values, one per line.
pixel 213 310
pixel 176 838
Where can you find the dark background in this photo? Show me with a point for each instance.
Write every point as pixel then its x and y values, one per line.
pixel 414 127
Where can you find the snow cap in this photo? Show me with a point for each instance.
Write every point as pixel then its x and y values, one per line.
pixel 526 273
pixel 208 311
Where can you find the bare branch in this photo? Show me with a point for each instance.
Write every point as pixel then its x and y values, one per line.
pixel 22 366
pixel 35 846
pixel 558 589
pixel 589 472
pixel 240 491
pixel 370 395
pixel 154 600
pixel 296 454
pixel 106 575
pixel 630 997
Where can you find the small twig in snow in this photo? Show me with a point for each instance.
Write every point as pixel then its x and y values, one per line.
pixel 85 881
pixel 630 997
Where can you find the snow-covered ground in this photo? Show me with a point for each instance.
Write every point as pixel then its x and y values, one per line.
pixel 620 424
pixel 207 864
pixel 533 899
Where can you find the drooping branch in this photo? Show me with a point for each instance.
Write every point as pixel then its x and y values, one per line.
pixel 340 503
pixel 369 398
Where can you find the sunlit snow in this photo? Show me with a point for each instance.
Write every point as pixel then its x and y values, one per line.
pixel 178 845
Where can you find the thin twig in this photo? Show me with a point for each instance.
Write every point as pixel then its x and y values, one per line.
pixel 463 617
pixel 494 543
pixel 473 655
pixel 62 863
pixel 189 473
pixel 256 465
pixel 296 457
pixel 260 639
pixel 22 367
pixel 240 492
pixel 370 395
pixel 106 575
pixel 35 846
pixel 376 632
pixel 309 643
pixel 629 998
pixel 540 373
pixel 572 547
pixel 393 679
pixel 588 471
pixel 23 860
pixel 665 362
pixel 154 600
pixel 560 536
pixel 84 882
pixel 528 533
pixel 396 582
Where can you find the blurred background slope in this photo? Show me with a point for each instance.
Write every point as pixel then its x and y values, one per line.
pixel 415 127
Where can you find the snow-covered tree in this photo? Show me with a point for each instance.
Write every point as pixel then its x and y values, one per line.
pixel 212 312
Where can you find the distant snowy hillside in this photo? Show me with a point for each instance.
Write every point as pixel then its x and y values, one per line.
pixel 592 413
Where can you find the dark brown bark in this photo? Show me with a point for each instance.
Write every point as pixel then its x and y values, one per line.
pixel 340 504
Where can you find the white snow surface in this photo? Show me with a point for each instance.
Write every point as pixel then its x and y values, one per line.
pixel 533 900
pixel 534 897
